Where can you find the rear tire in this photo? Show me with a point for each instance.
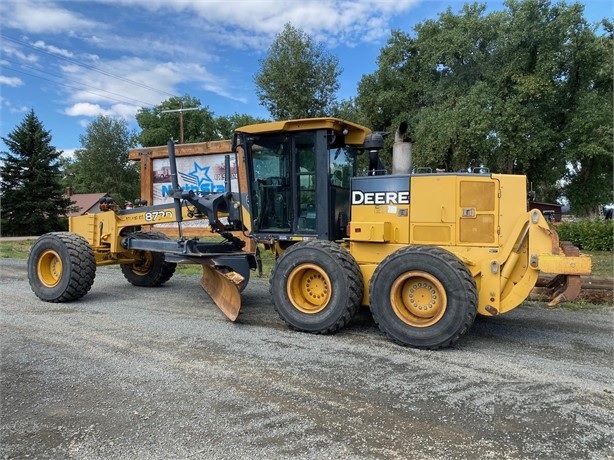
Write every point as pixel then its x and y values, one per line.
pixel 61 267
pixel 423 297
pixel 316 287
pixel 151 268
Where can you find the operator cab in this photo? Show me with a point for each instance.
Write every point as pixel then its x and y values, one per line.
pixel 299 175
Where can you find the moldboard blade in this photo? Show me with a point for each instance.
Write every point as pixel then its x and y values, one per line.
pixel 222 290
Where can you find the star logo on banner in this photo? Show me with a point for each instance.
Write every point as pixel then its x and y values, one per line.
pixel 198 176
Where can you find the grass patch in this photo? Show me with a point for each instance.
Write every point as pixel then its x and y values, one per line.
pixel 603 262
pixel 15 249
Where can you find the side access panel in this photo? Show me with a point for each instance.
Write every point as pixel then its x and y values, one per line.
pixel 455 210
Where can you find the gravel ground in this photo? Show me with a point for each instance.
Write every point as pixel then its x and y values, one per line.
pixel 136 373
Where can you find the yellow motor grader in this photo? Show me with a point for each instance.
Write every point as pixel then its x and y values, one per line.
pixel 425 251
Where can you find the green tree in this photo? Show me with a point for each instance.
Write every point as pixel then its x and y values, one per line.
pixel 158 126
pixel 102 164
pixel 589 128
pixel 347 109
pixel 226 124
pixel 512 90
pixel 298 78
pixel 33 200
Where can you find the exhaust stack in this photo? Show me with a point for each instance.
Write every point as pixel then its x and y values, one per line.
pixel 401 152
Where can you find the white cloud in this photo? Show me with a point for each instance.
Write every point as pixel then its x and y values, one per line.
pixel 190 44
pixel 138 79
pixel 253 24
pixel 10 50
pixel 42 16
pixel 68 153
pixel 125 111
pixel 53 49
pixel 86 109
pixel 93 110
pixel 6 104
pixel 10 81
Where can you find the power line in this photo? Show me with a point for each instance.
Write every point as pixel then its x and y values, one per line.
pixel 87 66
pixel 74 81
pixel 74 87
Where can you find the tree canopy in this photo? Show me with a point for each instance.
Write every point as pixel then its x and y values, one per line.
pixel 33 199
pixel 298 78
pixel 525 90
pixel 226 124
pixel 102 164
pixel 163 122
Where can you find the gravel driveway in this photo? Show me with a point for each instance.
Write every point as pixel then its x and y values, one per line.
pixel 136 373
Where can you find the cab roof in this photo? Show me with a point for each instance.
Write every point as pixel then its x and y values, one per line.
pixel 355 133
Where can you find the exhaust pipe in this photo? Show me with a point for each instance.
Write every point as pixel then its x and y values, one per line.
pixel 401 151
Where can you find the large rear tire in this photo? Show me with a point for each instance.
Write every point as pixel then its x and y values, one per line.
pixel 316 287
pixel 61 267
pixel 423 297
pixel 151 268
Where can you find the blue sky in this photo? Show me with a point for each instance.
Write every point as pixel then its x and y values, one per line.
pixel 71 61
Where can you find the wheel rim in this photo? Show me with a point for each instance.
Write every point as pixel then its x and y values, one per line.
pixel 418 299
pixel 143 266
pixel 49 268
pixel 309 288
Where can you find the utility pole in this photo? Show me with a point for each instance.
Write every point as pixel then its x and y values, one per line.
pixel 180 110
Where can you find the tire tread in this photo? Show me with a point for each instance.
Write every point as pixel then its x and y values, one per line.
pixel 456 264
pixel 166 270
pixel 81 259
pixel 352 271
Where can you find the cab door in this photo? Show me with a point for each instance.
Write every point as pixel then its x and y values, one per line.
pixel 270 184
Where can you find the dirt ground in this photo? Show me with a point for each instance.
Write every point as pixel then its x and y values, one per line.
pixel 160 373
pixel 598 296
pixel 587 296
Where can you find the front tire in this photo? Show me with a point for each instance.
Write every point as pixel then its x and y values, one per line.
pixel 61 267
pixel 423 297
pixel 151 269
pixel 316 287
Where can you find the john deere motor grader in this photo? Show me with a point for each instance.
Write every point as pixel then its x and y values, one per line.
pixel 427 252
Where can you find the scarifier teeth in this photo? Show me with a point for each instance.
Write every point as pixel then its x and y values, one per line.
pixel 567 290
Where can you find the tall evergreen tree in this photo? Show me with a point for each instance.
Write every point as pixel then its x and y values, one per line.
pixel 33 199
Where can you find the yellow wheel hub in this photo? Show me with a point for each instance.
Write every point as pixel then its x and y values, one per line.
pixel 309 288
pixel 49 268
pixel 143 265
pixel 418 299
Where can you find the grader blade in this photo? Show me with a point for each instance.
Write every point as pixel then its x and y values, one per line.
pixel 223 290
